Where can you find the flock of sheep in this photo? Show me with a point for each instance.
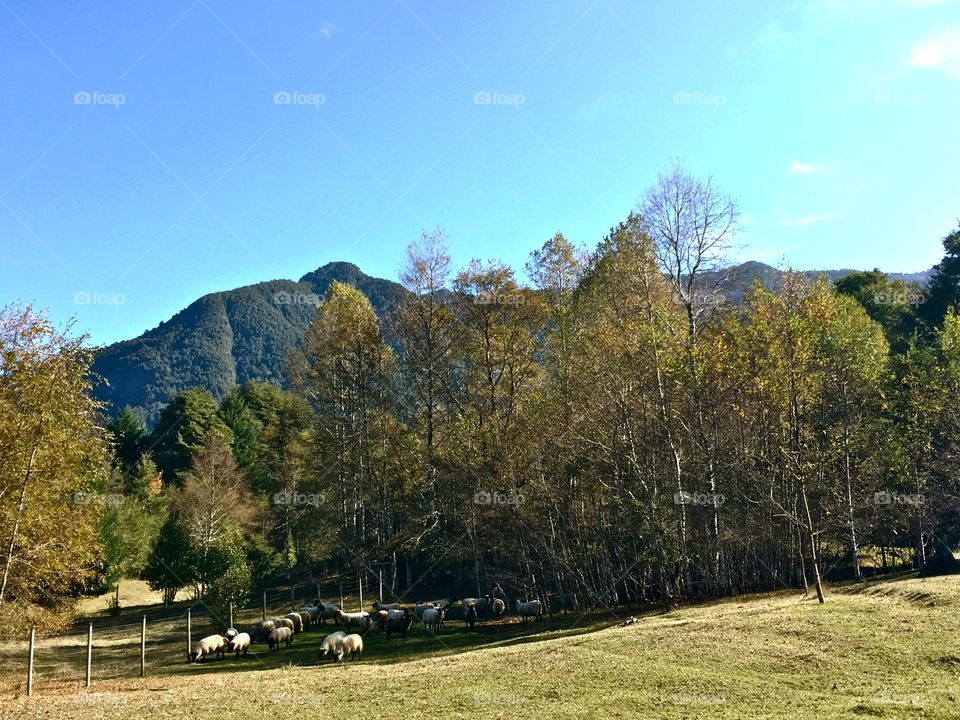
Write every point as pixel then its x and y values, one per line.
pixel 390 618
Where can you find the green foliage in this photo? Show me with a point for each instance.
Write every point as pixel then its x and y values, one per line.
pixel 943 290
pixel 232 578
pixel 184 424
pixel 244 427
pixel 173 563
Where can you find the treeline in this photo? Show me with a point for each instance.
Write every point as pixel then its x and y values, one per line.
pixel 609 431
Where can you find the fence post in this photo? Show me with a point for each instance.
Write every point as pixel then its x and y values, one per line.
pixel 360 578
pixel 231 614
pixel 264 604
pixel 33 641
pixel 143 648
pixel 292 601
pixel 189 639
pixel 89 651
pixel 341 595
pixel 380 577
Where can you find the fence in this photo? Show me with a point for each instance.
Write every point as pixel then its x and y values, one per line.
pixel 159 640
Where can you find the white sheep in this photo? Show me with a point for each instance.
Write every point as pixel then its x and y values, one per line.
pixel 280 635
pixel 529 609
pixel 261 631
pixel 305 619
pixel 433 618
pixel 212 644
pixel 313 611
pixel 329 644
pixel 419 609
pixel 296 620
pixel 231 633
pixel 351 645
pixel 285 622
pixel 239 643
pixel 361 619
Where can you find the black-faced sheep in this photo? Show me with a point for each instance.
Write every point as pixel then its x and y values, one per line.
pixel 239 643
pixel 399 624
pixel 278 636
pixel 296 620
pixel 351 645
pixel 470 616
pixel 328 611
pixel 361 619
pixel 210 645
pixel 433 618
pixel 231 633
pixel 329 645
pixel 305 619
pixel 529 609
pixel 419 609
pixel 377 605
pixel 261 631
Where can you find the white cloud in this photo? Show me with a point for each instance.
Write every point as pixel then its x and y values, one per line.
pixel 326 29
pixel 939 52
pixel 809 219
pixel 802 168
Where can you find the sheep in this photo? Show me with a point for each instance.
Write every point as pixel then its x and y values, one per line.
pixel 305 619
pixel 350 645
pixel 231 633
pixel 210 645
pixel 360 619
pixel 531 608
pixel 399 624
pixel 419 608
pixel 499 607
pixel 313 611
pixel 329 644
pixel 433 618
pixel 285 622
pixel 296 620
pixel 280 635
pixel 328 612
pixel 385 606
pixel 470 616
pixel 261 631
pixel 239 643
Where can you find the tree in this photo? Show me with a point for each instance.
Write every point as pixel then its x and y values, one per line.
pixel 172 564
pixel 231 576
pixel 184 424
pixel 889 303
pixel 244 428
pixel 129 438
pixel 943 290
pixel 53 457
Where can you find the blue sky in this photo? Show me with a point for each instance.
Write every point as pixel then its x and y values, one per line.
pixel 152 153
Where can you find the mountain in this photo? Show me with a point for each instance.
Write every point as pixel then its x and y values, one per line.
pixel 225 339
pixel 228 338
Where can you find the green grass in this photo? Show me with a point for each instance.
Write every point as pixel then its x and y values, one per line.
pixel 885 649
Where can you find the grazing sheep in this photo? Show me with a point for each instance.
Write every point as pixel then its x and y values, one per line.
pixel 261 631
pixel 351 645
pixel 328 612
pixel 433 618
pixel 280 635
pixel 361 619
pixel 499 607
pixel 239 643
pixel 385 606
pixel 296 620
pixel 286 622
pixel 529 609
pixel 419 608
pixel 329 644
pixel 231 633
pixel 399 624
pixel 470 616
pixel 210 645
pixel 313 611
pixel 305 619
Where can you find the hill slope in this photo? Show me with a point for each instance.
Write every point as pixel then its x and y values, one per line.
pixel 887 650
pixel 225 339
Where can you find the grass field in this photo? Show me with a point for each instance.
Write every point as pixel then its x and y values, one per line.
pixel 884 649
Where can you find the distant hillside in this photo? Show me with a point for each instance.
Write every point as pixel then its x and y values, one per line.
pixel 231 337
pixel 225 339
